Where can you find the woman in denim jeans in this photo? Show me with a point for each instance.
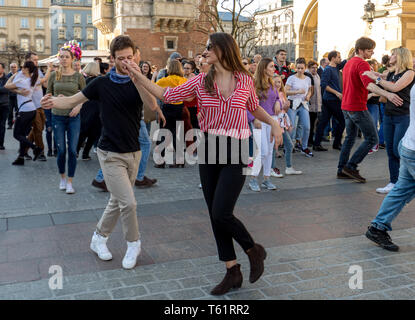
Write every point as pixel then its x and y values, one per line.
pixel 403 191
pixel 67 123
pixel 396 119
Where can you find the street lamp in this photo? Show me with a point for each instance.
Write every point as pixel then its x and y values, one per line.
pixel 371 13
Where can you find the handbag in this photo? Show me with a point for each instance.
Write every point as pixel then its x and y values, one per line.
pixel 149 115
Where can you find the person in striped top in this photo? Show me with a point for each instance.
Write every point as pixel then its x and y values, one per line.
pixel 224 95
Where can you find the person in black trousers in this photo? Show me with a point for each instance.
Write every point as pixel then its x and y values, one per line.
pixel 4 105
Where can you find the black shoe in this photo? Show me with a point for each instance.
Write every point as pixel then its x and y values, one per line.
pixel 10 127
pixel 18 162
pixel 2 148
pixel 337 147
pixel 319 148
pixel 27 157
pixel 50 154
pixel 55 152
pixel 307 153
pixel 86 158
pixel 100 185
pixel 37 151
pixel 341 175
pixel 42 157
pixel 381 238
pixel 354 174
pixel 382 146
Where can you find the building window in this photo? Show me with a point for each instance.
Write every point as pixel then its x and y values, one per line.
pixel 40 45
pixel 3 44
pixel 39 23
pixel 77 33
pixel 62 33
pixel 24 3
pixel 90 34
pixel 2 22
pixel 24 43
pixel 77 19
pixel 39 3
pixel 24 23
pixel 62 18
pixel 1 2
pixel 89 19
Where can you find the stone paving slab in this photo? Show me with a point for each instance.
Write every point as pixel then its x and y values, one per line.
pixel 288 275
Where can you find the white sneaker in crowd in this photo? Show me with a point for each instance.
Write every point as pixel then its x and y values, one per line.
pixel 69 188
pixel 276 173
pixel 386 189
pixel 133 251
pixel 99 246
pixel 292 171
pixel 62 184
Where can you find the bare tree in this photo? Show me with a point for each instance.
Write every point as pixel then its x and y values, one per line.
pixel 241 26
pixel 14 53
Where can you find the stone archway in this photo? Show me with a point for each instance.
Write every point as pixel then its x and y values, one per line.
pixel 307 47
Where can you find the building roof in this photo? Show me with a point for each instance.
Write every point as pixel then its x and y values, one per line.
pixel 227 16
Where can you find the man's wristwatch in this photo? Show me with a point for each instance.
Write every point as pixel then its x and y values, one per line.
pixel 378 80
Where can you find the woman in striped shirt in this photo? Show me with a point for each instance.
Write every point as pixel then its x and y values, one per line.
pixel 224 95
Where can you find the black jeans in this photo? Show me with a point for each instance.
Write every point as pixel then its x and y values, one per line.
pixel 22 127
pixel 313 120
pixel 12 109
pixel 172 113
pixel 330 108
pixel 4 113
pixel 222 184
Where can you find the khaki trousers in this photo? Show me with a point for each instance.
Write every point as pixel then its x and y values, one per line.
pixel 120 171
pixel 38 124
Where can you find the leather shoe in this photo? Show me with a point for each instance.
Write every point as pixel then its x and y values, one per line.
pixel 319 148
pixel 146 183
pixel 233 279
pixel 100 185
pixel 256 255
pixel 338 147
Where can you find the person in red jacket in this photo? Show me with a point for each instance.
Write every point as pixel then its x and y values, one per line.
pixel 356 86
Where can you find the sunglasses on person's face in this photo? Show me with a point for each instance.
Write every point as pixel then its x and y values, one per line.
pixel 209 47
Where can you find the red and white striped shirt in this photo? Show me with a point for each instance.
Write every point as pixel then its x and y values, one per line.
pixel 219 116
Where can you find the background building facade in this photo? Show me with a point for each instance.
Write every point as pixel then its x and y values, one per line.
pixel 275 29
pixel 158 27
pixel 25 23
pixel 72 19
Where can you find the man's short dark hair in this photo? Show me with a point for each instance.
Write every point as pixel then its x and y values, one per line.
pixel 280 50
pixel 364 43
pixel 3 65
pixel 29 55
pixel 332 55
pixel 323 60
pixel 98 59
pixel 311 63
pixel 385 59
pixel 103 66
pixel 120 43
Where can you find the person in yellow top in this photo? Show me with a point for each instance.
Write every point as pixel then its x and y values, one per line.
pixel 172 112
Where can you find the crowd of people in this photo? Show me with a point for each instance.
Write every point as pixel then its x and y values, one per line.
pixel 273 105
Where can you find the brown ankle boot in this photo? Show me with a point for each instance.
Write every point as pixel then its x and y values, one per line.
pixel 256 256
pixel 233 279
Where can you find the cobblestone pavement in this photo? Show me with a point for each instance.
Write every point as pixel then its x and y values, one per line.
pixel 312 271
pixel 312 229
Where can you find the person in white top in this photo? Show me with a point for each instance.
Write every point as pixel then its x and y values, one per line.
pixel 299 91
pixel 403 191
pixel 23 83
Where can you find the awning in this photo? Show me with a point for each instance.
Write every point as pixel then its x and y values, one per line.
pixel 87 56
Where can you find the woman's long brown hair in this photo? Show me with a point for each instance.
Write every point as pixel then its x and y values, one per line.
pixel 262 81
pixel 229 56
pixel 59 71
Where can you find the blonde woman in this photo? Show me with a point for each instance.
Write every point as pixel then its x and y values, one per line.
pixel 66 123
pixel 399 80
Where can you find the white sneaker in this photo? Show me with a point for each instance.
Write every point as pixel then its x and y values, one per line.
pixel 99 246
pixel 291 171
pixel 386 189
pixel 276 173
pixel 69 188
pixel 133 251
pixel 62 184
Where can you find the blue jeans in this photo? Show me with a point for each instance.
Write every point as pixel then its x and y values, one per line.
pixel 304 121
pixel 100 176
pixel 357 120
pixel 401 194
pixel 381 116
pixel 66 131
pixel 145 146
pixel 374 112
pixel 394 128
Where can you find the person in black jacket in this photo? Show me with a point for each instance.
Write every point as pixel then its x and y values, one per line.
pixel 12 97
pixel 4 104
